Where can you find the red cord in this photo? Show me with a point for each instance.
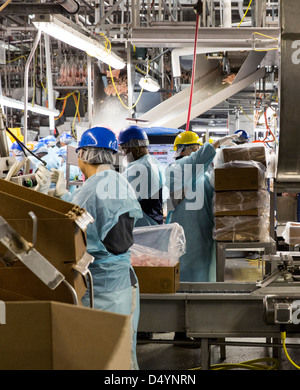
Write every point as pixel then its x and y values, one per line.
pixel 265 140
pixel 268 128
pixel 193 73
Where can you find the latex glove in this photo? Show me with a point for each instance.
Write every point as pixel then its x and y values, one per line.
pixel 58 177
pixel 43 179
pixel 228 140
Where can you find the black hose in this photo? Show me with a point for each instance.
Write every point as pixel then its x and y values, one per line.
pixel 23 147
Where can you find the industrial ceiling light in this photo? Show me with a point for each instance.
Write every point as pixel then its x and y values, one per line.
pixel 19 105
pixel 66 31
pixel 149 84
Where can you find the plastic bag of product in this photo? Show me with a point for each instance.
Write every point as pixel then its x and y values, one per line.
pixel 158 245
pixel 242 228
pixel 241 202
pixel 291 233
pixel 246 152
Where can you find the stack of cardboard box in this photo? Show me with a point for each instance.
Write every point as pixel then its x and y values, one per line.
pixel 41 329
pixel 59 239
pixel 241 202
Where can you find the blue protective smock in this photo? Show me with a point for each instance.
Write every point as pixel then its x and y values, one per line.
pixel 106 196
pixel 51 159
pixel 146 176
pixel 197 219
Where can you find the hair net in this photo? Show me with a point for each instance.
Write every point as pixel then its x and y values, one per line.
pixel 135 143
pixel 40 148
pixel 65 138
pixel 95 156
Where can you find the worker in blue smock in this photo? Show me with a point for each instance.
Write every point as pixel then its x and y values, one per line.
pixel 144 173
pixel 191 204
pixel 107 196
pixel 17 152
pixel 47 154
pixel 74 171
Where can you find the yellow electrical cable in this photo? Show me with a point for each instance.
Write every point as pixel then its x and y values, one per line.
pixel 33 95
pixel 45 89
pixel 245 13
pixel 142 71
pixel 112 79
pixel 267 36
pixel 113 82
pixel 129 108
pixel 283 337
pixel 5 4
pixel 15 59
pixel 249 365
pixel 76 104
pixel 77 107
pixel 107 43
pixel 246 115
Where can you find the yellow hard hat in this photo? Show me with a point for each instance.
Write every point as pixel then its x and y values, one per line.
pixel 186 138
pixel 30 145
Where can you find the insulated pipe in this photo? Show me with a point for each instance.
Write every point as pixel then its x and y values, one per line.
pixel 4 150
pixel 26 76
pixel 69 5
pixel 227 20
pixel 49 81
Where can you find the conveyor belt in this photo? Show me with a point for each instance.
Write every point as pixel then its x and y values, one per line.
pixel 212 292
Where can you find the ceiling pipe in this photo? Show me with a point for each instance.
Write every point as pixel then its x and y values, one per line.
pixel 227 19
pixel 71 6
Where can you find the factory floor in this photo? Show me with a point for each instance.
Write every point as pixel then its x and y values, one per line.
pixel 164 355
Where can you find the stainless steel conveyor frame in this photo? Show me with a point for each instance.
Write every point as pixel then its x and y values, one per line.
pixel 215 310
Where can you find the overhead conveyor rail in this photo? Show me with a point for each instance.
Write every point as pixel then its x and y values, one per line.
pixel 208 92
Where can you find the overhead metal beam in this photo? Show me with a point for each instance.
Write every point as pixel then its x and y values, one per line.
pixel 33 8
pixel 183 34
pixel 108 13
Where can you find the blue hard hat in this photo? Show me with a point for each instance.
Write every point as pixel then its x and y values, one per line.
pixel 132 132
pixel 16 146
pixel 99 137
pixel 243 134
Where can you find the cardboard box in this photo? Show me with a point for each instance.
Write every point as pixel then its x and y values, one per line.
pixel 239 178
pixel 291 233
pixel 158 280
pixel 59 238
pixel 18 283
pixel 245 153
pixel 240 229
pixel 57 336
pixel 252 203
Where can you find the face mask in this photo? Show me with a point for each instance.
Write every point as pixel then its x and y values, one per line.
pixel 129 157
